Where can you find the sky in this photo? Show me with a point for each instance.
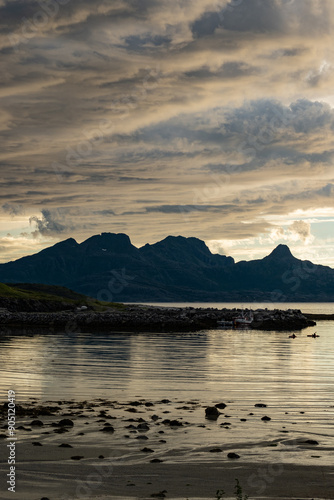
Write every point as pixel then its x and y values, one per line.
pixel 205 118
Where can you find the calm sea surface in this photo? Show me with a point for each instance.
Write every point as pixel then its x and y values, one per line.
pixel 209 365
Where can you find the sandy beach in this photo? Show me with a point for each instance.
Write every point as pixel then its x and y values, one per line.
pixel 165 449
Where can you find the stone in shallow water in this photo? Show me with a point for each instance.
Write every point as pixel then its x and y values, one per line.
pixel 311 441
pixel 108 428
pixel 265 418
pixel 212 413
pixel 37 423
pixel 233 455
pixel 175 423
pixel 221 406
pixel 66 422
pixel 143 427
pixel 60 431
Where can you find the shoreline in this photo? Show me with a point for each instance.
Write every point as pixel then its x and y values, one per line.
pixel 140 318
pixel 65 451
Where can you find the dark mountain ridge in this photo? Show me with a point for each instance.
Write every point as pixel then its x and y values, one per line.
pixel 107 266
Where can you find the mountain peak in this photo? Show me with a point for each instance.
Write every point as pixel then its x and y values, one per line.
pixel 61 246
pixel 281 252
pixel 108 242
pixel 177 245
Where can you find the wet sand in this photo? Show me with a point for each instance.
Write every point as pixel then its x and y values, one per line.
pixel 166 449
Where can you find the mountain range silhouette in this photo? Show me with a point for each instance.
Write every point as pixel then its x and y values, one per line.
pixel 107 266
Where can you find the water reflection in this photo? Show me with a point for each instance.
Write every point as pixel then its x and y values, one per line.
pixel 210 365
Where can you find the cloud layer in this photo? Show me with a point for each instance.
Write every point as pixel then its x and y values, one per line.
pixel 207 118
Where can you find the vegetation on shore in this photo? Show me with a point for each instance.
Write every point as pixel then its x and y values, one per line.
pixel 34 293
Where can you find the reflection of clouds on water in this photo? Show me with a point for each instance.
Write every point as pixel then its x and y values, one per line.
pixel 241 365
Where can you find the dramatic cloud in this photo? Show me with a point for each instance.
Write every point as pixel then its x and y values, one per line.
pixel 46 225
pixel 207 118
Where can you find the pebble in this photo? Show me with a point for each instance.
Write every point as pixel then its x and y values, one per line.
pixel 108 428
pixel 175 423
pixel 143 427
pixel 310 441
pixel 66 422
pixel 37 423
pixel 161 494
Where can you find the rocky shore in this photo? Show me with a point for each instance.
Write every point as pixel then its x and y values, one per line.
pixel 136 318
pixel 167 448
